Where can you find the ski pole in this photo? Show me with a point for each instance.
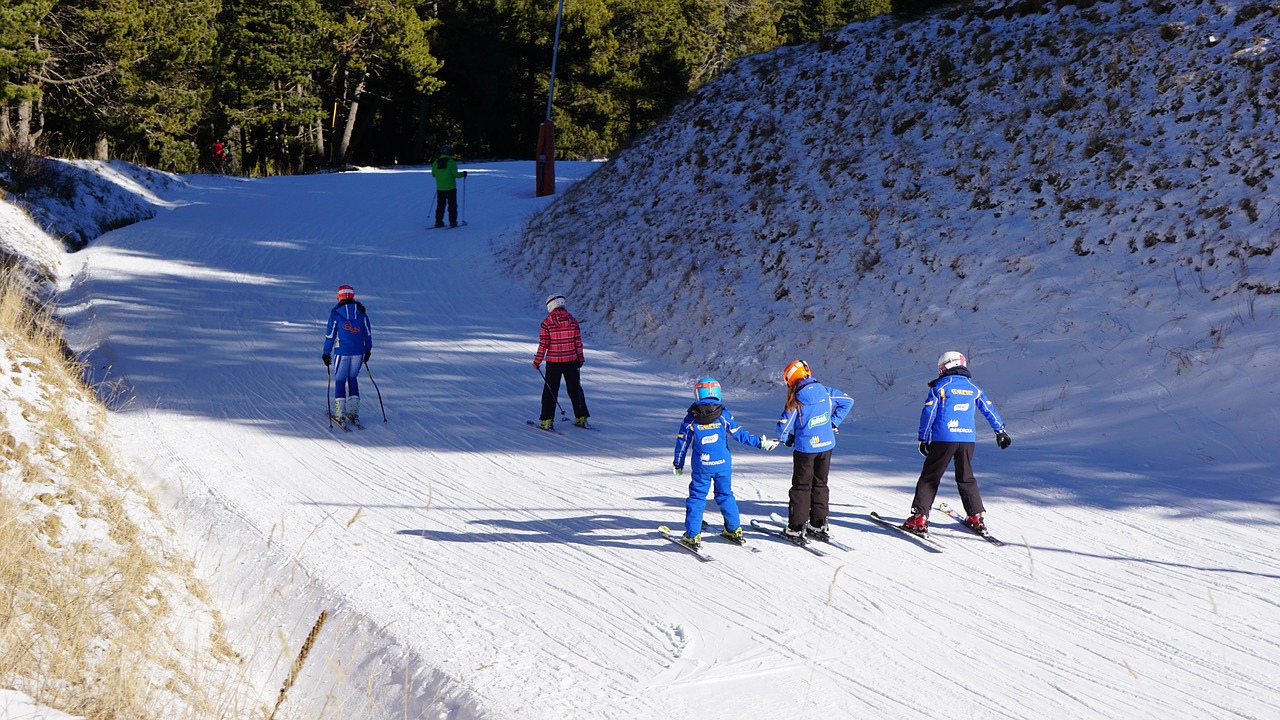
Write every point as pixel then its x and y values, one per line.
pixel 375 389
pixel 328 386
pixel 464 198
pixel 547 385
pixel 435 199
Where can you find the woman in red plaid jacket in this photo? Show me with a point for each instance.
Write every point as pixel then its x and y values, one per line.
pixel 560 344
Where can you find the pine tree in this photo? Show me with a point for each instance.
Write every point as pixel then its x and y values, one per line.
pixel 20 60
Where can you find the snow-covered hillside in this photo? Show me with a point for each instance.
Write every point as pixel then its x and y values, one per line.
pixel 1082 199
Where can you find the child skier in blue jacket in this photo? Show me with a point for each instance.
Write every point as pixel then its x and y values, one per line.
pixel 947 432
pixel 705 431
pixel 349 336
pixel 809 422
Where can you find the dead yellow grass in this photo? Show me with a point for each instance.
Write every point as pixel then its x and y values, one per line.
pixel 94 604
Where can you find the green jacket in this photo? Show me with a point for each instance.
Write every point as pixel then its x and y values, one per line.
pixel 445 171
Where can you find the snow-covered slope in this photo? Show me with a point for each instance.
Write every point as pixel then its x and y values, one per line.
pixel 864 207
pixel 1082 199
pixel 474 567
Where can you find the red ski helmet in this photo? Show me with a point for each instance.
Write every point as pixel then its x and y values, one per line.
pixel 346 292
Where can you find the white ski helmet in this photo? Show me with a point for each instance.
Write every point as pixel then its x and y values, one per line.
pixel 554 301
pixel 950 359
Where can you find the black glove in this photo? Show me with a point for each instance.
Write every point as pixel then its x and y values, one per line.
pixel 1003 440
pixel 579 364
pixel 835 430
pixel 367 353
pixel 791 441
pixel 325 357
pixel 924 448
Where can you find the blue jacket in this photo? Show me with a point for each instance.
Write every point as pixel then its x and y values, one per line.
pixel 348 332
pixel 706 429
pixel 821 411
pixel 948 411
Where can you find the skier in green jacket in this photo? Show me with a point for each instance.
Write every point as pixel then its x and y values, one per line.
pixel 445 171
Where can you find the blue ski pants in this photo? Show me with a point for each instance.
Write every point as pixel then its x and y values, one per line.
pixel 699 484
pixel 346 373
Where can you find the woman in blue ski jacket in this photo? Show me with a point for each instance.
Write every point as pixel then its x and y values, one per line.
pixel 705 432
pixel 349 337
pixel 947 432
pixel 809 422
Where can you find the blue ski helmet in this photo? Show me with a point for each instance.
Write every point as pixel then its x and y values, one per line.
pixel 707 389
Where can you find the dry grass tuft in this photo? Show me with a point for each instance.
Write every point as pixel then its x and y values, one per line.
pixel 94 604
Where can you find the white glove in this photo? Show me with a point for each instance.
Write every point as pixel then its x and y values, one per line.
pixel 677 471
pixel 768 444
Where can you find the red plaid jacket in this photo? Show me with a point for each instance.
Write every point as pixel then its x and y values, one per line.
pixel 559 338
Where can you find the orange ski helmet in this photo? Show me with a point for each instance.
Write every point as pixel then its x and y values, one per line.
pixel 798 370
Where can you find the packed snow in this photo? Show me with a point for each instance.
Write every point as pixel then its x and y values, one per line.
pixel 476 567
pixel 453 562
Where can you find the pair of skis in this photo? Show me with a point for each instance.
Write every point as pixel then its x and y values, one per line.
pixel 344 424
pixel 772 526
pixel 925 540
pixel 675 537
pixel 553 431
pixel 775 524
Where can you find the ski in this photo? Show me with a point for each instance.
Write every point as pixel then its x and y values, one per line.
pixel 335 422
pixel 706 527
pixel 923 541
pixel 534 424
pixel 984 534
pixel 446 227
pixel 778 534
pixel 776 519
pixel 585 427
pixel 666 533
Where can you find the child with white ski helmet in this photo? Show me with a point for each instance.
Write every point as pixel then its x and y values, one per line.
pixel 947 433
pixel 704 433
pixel 809 422
pixel 560 344
pixel 349 337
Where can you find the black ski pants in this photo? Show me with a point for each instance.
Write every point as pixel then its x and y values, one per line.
pixel 809 496
pixel 447 198
pixel 573 384
pixel 935 466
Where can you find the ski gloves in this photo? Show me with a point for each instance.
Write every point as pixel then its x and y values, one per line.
pixel 768 444
pixel 367 353
pixel 1003 440
pixel 325 357
pixel 677 471
pixel 924 449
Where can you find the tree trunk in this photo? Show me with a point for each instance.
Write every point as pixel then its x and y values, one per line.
pixel 24 125
pixel 340 157
pixel 101 148
pixel 418 153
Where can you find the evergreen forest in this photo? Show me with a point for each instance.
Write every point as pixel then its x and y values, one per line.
pixel 293 86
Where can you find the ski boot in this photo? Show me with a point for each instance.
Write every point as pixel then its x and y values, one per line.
pixel 820 532
pixel 975 523
pixel 734 536
pixel 918 524
pixel 794 536
pixel 694 542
